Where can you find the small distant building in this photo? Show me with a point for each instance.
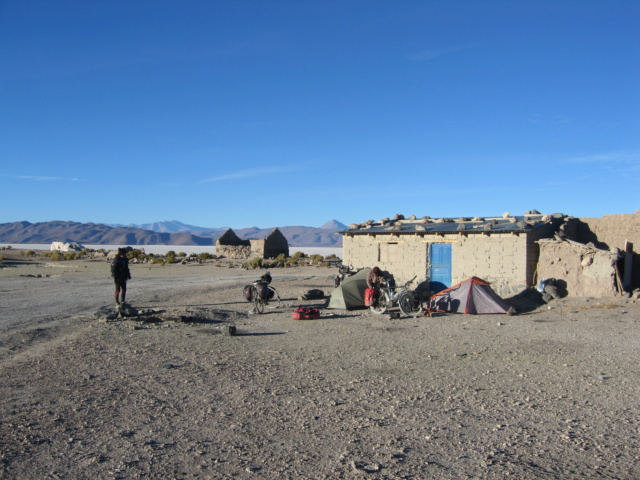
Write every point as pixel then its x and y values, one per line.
pixel 66 247
pixel 443 252
pixel 232 246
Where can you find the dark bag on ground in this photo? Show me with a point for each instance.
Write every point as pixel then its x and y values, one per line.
pixel 303 313
pixel 314 294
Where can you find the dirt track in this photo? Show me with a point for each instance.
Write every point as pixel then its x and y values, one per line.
pixel 547 394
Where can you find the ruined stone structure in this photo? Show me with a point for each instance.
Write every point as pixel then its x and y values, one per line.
pixel 271 246
pixel 231 246
pixel 502 251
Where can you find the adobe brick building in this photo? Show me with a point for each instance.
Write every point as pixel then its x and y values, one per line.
pixel 591 256
pixel 443 252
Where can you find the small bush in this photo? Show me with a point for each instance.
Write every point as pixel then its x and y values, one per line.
pixel 182 254
pixel 253 263
pixel 55 256
pixel 316 259
pixel 69 255
pixel 205 256
pixel 333 256
pixel 158 261
pixel 135 253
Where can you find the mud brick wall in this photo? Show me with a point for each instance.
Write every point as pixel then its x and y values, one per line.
pixel 403 256
pixel 584 271
pixel 508 261
pixel 612 231
pixel 501 259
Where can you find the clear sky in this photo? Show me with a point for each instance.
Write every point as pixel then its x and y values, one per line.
pixel 274 113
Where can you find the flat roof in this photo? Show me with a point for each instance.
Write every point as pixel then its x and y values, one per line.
pixel 425 225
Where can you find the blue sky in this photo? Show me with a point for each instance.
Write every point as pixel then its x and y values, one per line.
pixel 274 113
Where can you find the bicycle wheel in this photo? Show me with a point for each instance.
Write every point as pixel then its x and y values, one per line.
pixel 274 300
pixel 410 304
pixel 257 301
pixel 380 304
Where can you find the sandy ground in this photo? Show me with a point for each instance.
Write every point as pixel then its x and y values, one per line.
pixel 550 393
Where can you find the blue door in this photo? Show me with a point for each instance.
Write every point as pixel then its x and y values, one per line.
pixel 439 266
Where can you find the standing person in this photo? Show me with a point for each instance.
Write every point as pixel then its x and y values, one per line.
pixel 120 273
pixel 374 278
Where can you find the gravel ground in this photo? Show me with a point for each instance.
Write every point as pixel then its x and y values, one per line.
pixel 550 393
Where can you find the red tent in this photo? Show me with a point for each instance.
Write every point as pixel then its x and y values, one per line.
pixel 474 295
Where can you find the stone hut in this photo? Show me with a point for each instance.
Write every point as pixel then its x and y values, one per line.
pixel 271 246
pixel 443 252
pixel 232 246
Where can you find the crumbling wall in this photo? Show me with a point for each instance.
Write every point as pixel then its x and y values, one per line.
pixel 583 271
pixel 611 230
pixel 231 246
pixel 608 232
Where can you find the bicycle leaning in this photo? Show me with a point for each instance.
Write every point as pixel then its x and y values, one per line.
pixel 344 271
pixel 387 296
pixel 262 294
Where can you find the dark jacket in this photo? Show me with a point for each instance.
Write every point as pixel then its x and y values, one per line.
pixel 374 278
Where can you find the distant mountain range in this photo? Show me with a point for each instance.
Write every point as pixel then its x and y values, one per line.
pixel 160 233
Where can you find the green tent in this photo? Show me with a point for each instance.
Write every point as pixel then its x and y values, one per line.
pixel 350 293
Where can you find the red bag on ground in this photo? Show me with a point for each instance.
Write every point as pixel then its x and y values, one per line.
pixel 369 296
pixel 303 313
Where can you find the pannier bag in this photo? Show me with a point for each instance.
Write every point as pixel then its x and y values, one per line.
pixel 247 292
pixel 263 291
pixel 304 313
pixel 369 296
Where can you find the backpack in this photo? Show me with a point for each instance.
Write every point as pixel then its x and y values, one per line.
pixel 303 313
pixel 247 292
pixel 119 268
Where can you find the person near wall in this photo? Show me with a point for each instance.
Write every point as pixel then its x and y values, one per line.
pixel 374 278
pixel 120 273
